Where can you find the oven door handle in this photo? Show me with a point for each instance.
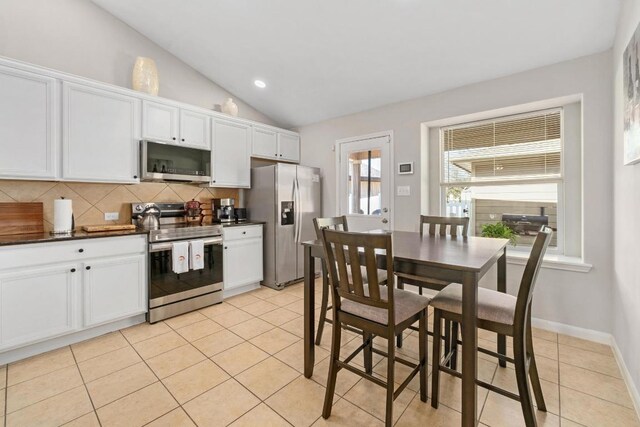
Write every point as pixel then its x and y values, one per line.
pixel 159 247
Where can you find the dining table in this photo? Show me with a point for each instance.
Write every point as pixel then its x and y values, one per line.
pixel 455 259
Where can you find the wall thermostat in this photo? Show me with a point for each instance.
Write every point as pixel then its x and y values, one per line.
pixel 405 168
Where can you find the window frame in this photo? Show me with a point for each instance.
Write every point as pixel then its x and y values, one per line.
pixel 442 185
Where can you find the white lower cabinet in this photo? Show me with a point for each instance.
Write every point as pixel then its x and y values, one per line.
pixel 242 260
pixel 38 303
pixel 108 290
pixel 70 286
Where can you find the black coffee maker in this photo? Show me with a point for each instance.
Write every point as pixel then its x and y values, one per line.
pixel 223 210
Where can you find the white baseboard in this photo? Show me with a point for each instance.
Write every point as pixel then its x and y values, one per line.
pixel 20 353
pixel 574 331
pixel 227 293
pixel 602 338
pixel 633 390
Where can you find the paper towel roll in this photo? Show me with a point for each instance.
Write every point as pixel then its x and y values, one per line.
pixel 62 214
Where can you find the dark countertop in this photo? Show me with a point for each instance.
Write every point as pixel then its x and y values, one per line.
pixel 21 239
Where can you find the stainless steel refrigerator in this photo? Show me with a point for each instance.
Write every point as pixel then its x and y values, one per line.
pixel 287 198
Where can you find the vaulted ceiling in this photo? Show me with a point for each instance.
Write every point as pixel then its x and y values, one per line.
pixel 327 58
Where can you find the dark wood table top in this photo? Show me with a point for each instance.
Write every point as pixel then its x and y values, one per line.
pixel 455 253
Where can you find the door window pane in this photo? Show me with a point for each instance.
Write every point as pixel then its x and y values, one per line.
pixel 364 182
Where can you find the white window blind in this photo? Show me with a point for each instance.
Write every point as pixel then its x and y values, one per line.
pixel 511 149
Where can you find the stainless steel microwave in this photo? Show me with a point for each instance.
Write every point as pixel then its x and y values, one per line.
pixel 167 162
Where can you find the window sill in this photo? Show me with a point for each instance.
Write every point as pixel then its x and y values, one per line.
pixel 552 261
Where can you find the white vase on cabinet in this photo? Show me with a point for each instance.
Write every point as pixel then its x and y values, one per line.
pixel 229 107
pixel 145 76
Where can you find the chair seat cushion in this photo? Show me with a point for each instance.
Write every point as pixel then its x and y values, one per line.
pixel 406 305
pixel 493 306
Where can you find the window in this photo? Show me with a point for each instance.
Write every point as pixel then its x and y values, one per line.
pixel 506 169
pixel 364 182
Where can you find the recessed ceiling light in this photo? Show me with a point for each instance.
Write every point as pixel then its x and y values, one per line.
pixel 260 84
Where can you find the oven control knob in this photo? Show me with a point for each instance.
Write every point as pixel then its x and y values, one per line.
pixel 138 208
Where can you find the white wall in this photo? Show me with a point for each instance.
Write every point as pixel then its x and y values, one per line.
pixel 78 37
pixel 626 194
pixel 579 299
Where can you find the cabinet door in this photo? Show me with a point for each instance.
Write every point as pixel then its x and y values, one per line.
pixel 100 133
pixel 114 288
pixel 195 129
pixel 159 122
pixel 265 143
pixel 242 262
pixel 29 116
pixel 230 154
pixel 289 147
pixel 38 303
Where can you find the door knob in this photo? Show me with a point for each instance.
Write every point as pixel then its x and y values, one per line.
pixel 385 210
pixel 385 220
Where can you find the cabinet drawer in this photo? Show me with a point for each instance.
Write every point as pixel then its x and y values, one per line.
pixel 235 233
pixel 69 251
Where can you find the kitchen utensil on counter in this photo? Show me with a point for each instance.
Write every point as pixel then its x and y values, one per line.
pixel 21 218
pixel 149 218
pixel 62 216
pixel 241 214
pixel 223 210
pixel 193 210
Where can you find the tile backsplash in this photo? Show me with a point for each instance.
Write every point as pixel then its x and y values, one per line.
pixel 91 201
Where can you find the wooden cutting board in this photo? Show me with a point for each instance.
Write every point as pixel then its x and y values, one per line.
pixel 108 227
pixel 21 218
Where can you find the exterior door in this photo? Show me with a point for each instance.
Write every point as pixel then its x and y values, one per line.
pixel 364 188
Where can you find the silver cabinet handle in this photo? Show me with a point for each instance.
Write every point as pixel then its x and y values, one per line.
pixel 385 210
pixel 385 220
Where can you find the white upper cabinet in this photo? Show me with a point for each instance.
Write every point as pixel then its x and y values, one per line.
pixel 160 122
pixel 100 133
pixel 265 143
pixel 289 147
pixel 269 143
pixel 167 123
pixel 194 129
pixel 29 117
pixel 231 154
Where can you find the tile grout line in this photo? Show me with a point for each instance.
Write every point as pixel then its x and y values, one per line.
pixel 157 378
pixel 85 388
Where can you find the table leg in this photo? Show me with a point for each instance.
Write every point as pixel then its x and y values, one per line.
pixel 309 309
pixel 469 353
pixel 502 287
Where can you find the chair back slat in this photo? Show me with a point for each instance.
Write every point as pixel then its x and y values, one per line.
pixel 441 224
pixel 530 275
pixel 356 273
pixel 341 262
pixel 333 223
pixel 361 246
pixel 372 273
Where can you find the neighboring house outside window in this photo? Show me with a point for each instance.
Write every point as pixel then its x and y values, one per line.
pixel 507 169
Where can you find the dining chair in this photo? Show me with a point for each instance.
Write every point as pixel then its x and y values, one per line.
pixel 334 223
pixel 503 314
pixel 442 226
pixel 376 310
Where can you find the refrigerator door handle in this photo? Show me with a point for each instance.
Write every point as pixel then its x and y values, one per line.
pixel 298 213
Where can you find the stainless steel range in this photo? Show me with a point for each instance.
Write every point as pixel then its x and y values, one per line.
pixel 171 293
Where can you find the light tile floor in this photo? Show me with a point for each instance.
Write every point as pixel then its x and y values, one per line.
pixel 240 363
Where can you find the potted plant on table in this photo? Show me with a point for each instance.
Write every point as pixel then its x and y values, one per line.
pixel 499 230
